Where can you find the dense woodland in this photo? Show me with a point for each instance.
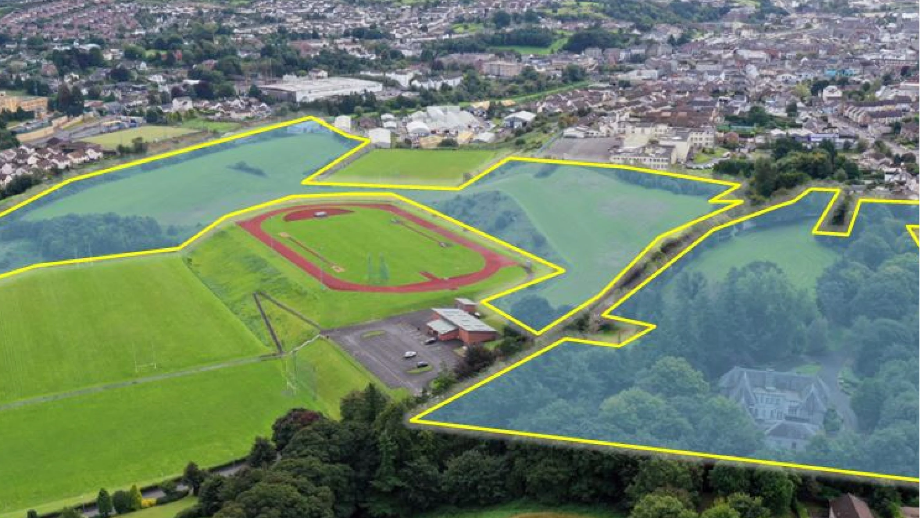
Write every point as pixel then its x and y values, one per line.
pixel 73 236
pixel 370 464
pixel 791 165
pixel 662 389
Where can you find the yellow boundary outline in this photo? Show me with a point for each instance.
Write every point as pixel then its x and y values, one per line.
pixel 556 270
pixel 280 201
pixel 647 327
pixel 719 199
pixel 363 143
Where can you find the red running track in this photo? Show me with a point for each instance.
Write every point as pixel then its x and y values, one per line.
pixel 493 260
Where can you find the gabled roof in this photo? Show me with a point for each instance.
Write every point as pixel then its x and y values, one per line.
pixel 849 506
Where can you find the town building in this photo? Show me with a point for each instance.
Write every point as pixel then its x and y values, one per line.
pixel 380 137
pixel 11 103
pixel 519 119
pixel 849 506
pixel 304 90
pixel 502 68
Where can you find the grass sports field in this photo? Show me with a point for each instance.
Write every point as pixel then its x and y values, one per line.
pixel 86 325
pixel 372 246
pixel 792 247
pixel 554 47
pixel 234 264
pixel 438 167
pixel 147 432
pixel 147 133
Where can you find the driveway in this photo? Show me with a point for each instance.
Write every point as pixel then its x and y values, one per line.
pixel 381 346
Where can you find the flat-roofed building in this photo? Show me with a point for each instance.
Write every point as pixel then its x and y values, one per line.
pixel 305 90
pixel 502 68
pixel 11 103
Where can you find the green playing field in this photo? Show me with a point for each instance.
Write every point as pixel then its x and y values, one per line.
pixel 372 246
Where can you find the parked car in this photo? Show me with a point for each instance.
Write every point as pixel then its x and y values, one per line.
pixel 421 364
pixel 429 341
pixel 410 354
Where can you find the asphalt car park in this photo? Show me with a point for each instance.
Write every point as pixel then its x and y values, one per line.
pixel 382 346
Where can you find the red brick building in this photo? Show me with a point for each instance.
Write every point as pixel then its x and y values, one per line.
pixel 456 324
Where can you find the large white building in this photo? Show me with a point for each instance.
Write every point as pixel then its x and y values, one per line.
pixel 305 90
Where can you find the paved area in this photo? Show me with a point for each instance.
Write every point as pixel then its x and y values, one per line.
pixel 380 346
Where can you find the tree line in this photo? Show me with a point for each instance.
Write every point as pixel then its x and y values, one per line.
pixel 369 464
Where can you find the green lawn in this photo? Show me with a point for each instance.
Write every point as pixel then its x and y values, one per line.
pixel 556 46
pixel 85 325
pixel 595 221
pixel 234 264
pixel 148 432
pixel 207 125
pixel 525 509
pixel 437 167
pixel 166 510
pixel 792 247
pixel 359 241
pixel 200 186
pixel 147 133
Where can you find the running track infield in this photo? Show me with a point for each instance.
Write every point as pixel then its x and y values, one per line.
pixel 494 261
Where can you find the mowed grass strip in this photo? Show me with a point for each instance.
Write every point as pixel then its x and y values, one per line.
pixel 233 264
pixel 436 167
pixel 374 247
pixel 147 133
pixel 83 325
pixel 68 449
pixel 169 510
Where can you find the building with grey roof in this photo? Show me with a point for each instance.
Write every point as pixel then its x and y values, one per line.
pixel 789 407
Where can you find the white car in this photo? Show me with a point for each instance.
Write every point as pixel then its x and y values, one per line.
pixel 410 354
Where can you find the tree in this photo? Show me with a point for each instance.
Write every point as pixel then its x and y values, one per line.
pixel 660 506
pixel 475 360
pixel 657 474
pixel 104 503
pixel 776 489
pixel 671 377
pixel 137 499
pixel 286 426
pixel 726 479
pixel 32 513
pixel 209 496
pixel 720 511
pixel 262 454
pixel 747 506
pixel 121 502
pixel 193 476
pixel 792 109
pixel 70 512
pixel 501 19
pixel 286 501
pixel 475 478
